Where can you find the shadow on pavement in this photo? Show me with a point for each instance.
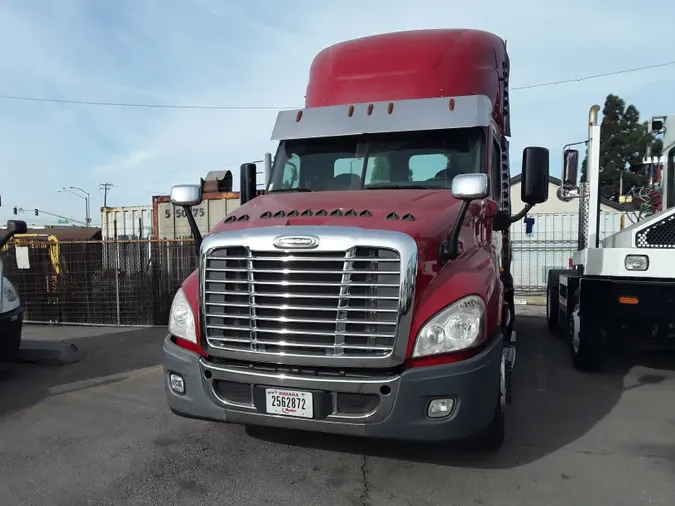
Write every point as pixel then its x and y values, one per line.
pixel 553 405
pixel 25 384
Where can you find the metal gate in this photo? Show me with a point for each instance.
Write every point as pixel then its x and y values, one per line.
pixel 549 245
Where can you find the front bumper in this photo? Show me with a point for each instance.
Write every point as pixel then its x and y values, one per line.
pixel 645 315
pixel 392 407
pixel 10 333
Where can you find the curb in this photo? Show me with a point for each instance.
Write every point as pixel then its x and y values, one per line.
pixel 530 300
pixel 48 352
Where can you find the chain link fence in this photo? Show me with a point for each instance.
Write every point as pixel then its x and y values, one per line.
pixel 549 245
pixel 128 282
pixel 133 282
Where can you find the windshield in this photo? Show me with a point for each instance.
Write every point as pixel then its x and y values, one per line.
pixel 422 159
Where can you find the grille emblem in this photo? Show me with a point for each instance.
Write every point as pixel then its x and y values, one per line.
pixel 296 242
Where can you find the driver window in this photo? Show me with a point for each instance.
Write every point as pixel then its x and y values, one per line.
pixel 291 174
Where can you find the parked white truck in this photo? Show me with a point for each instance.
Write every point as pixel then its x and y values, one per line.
pixel 623 287
pixel 11 312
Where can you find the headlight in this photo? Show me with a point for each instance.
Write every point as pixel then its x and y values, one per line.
pixel 456 327
pixel 636 262
pixel 8 291
pixel 181 319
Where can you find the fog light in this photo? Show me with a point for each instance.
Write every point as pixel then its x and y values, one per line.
pixel 177 383
pixel 440 408
pixel 637 262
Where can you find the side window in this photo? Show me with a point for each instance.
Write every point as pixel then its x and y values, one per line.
pixel 425 167
pixel 348 166
pixel 496 172
pixel 291 176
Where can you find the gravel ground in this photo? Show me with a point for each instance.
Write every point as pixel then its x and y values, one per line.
pixel 99 432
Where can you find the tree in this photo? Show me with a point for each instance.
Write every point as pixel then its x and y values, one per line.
pixel 623 145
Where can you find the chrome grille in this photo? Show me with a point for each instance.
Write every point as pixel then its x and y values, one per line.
pixel 308 303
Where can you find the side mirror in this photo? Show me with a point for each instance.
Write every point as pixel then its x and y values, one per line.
pixel 467 188
pixel 534 179
pixel 470 186
pixel 570 168
pixel 186 195
pixel 13 227
pixel 16 227
pixel 247 182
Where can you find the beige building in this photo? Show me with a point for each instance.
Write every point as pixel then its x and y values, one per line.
pixel 554 205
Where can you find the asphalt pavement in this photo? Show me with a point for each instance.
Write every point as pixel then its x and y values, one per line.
pixel 98 431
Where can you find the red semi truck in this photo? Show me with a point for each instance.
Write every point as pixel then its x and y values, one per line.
pixel 367 291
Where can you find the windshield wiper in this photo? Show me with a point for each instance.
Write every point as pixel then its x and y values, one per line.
pixel 402 187
pixel 291 190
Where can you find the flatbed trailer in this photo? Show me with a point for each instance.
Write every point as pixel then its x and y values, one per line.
pixel 620 290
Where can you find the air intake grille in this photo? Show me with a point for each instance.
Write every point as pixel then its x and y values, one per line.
pixel 318 303
pixel 659 235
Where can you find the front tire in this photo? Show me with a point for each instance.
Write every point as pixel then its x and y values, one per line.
pixel 588 344
pixel 492 437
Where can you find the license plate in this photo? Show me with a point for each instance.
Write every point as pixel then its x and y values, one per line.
pixel 289 403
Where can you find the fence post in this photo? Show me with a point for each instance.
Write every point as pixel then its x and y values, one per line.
pixel 117 275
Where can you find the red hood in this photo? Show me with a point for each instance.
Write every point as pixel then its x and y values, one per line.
pixel 423 214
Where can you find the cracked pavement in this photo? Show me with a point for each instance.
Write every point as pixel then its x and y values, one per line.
pixel 99 432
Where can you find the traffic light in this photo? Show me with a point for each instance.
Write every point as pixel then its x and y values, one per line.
pixel 36 212
pixel 16 211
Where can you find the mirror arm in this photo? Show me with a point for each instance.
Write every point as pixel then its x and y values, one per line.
pixel 521 214
pixel 449 249
pixel 193 228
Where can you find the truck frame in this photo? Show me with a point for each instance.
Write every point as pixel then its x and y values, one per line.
pixel 361 293
pixel 621 290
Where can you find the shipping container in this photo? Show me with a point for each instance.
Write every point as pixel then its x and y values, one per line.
pixel 170 222
pixel 128 222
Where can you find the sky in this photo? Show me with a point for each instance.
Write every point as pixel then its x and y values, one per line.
pixel 258 53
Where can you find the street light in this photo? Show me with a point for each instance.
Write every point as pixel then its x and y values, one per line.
pixel 86 197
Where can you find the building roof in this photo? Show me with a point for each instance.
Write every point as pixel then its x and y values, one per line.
pixel 557 182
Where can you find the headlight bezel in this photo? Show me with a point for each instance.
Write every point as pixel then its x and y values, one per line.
pixel 470 308
pixel 182 322
pixel 644 258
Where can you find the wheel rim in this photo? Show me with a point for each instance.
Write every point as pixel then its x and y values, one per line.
pixel 573 333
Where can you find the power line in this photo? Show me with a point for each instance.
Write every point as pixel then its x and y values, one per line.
pixel 154 106
pixel 274 107
pixel 594 76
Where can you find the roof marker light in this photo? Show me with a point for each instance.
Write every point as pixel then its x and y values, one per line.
pixel 451 104
pixel 298 116
pixel 350 112
pixel 390 108
pixel 370 109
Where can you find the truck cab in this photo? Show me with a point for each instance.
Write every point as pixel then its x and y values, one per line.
pixel 11 312
pixel 368 290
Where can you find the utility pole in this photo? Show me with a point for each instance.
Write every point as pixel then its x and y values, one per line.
pixel 106 188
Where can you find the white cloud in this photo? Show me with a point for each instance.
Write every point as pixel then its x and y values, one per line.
pixel 258 53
